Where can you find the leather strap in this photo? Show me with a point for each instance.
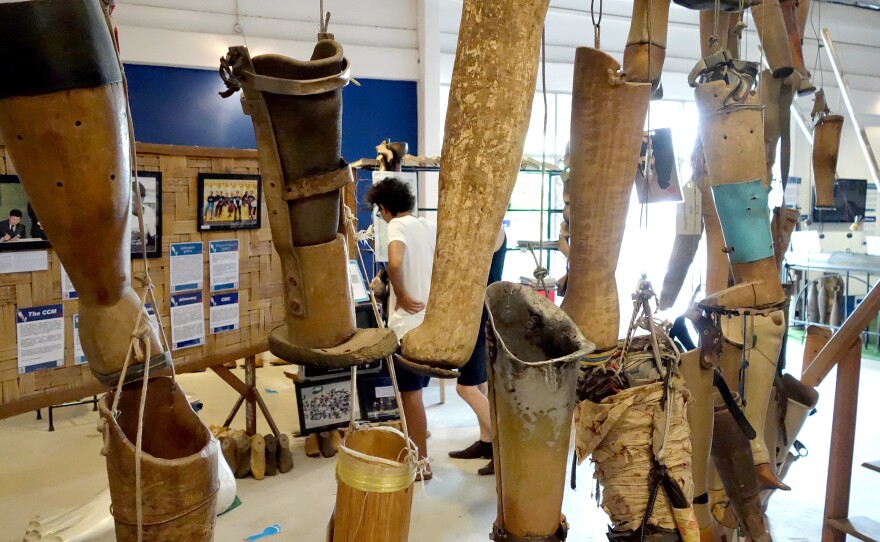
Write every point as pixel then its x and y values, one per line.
pixel 320 184
pixel 730 403
pixel 295 87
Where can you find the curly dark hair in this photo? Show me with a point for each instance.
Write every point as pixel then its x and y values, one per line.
pixel 393 194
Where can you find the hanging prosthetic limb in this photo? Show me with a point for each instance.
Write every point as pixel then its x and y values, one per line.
pixel 782 225
pixel 770 25
pixel 645 49
pixel 65 102
pixel 490 98
pixel 178 466
pixel 534 350
pixel 756 360
pixel 603 151
pixel 735 466
pixel 700 414
pixel 827 129
pixel 390 155
pixel 296 109
pixel 731 134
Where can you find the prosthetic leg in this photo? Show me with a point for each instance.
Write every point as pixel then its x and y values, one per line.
pixel 796 41
pixel 700 415
pixel 770 24
pixel 67 102
pixel 490 98
pixel 827 130
pixel 731 134
pixel 757 358
pixel 178 467
pixel 782 225
pixel 645 48
pixel 533 371
pixel 296 109
pixel 735 466
pixel 603 151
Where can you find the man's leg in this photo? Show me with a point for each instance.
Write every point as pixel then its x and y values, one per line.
pixel 476 399
pixel 416 420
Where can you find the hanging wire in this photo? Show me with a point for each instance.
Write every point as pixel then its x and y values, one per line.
pixel 237 26
pixel 541 272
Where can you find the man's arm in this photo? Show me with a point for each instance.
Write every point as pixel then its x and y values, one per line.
pixel 396 251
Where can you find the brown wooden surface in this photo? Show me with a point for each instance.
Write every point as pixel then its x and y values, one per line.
pixel 837 487
pixel 260 295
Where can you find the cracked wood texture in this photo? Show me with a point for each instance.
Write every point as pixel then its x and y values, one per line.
pixel 260 293
pixel 490 101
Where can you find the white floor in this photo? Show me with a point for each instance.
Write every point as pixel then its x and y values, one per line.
pixel 43 471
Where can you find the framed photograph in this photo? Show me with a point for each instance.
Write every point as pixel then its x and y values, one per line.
pixel 149 184
pixel 229 202
pixel 323 405
pixel 20 228
pixel 657 157
pixel 376 398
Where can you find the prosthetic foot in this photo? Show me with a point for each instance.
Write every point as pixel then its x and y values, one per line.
pixel 735 466
pixel 826 147
pixel 490 99
pixel 533 371
pixel 770 24
pixel 178 465
pixel 65 101
pixel 607 123
pixel 645 48
pixel 758 364
pixel 700 414
pixel 296 109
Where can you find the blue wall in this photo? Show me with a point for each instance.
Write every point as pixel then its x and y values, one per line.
pixel 181 106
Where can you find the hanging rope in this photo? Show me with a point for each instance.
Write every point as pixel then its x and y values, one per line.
pixel 541 272
pixel 597 23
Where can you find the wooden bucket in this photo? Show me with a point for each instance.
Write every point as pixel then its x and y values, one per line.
pixel 375 478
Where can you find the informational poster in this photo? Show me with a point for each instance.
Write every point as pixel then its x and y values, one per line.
pixel 187 320
pixel 358 288
pixel 380 226
pixel 24 262
pixel 689 213
pixel 187 272
pixel 223 258
pixel 224 312
pixel 67 291
pixel 40 336
pixel 79 357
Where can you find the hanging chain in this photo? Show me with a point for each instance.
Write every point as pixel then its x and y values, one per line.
pixel 596 22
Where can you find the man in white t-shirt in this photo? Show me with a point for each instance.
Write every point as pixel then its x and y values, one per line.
pixel 411 243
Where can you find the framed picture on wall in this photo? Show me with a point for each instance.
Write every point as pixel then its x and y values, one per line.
pixel 323 404
pixel 377 400
pixel 229 202
pixel 20 229
pixel 149 185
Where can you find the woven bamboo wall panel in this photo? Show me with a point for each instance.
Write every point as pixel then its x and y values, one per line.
pixel 260 293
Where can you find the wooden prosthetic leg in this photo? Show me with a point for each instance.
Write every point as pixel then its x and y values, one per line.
pixel 700 416
pixel 827 129
pixel 791 14
pixel 735 467
pixel 607 123
pixel 782 225
pixel 758 365
pixel 490 99
pixel 296 109
pixel 645 49
pixel 178 466
pixel 64 104
pixel 770 24
pixel 732 137
pixel 534 350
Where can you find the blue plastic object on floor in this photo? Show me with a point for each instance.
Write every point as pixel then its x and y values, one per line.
pixel 268 531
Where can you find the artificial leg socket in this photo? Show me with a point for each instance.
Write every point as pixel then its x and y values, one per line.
pixel 607 123
pixel 826 148
pixel 533 371
pixel 770 24
pixel 490 99
pixel 296 109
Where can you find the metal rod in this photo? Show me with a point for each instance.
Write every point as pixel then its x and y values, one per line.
pixel 843 83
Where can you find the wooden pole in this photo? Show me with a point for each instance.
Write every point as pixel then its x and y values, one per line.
pixel 843 437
